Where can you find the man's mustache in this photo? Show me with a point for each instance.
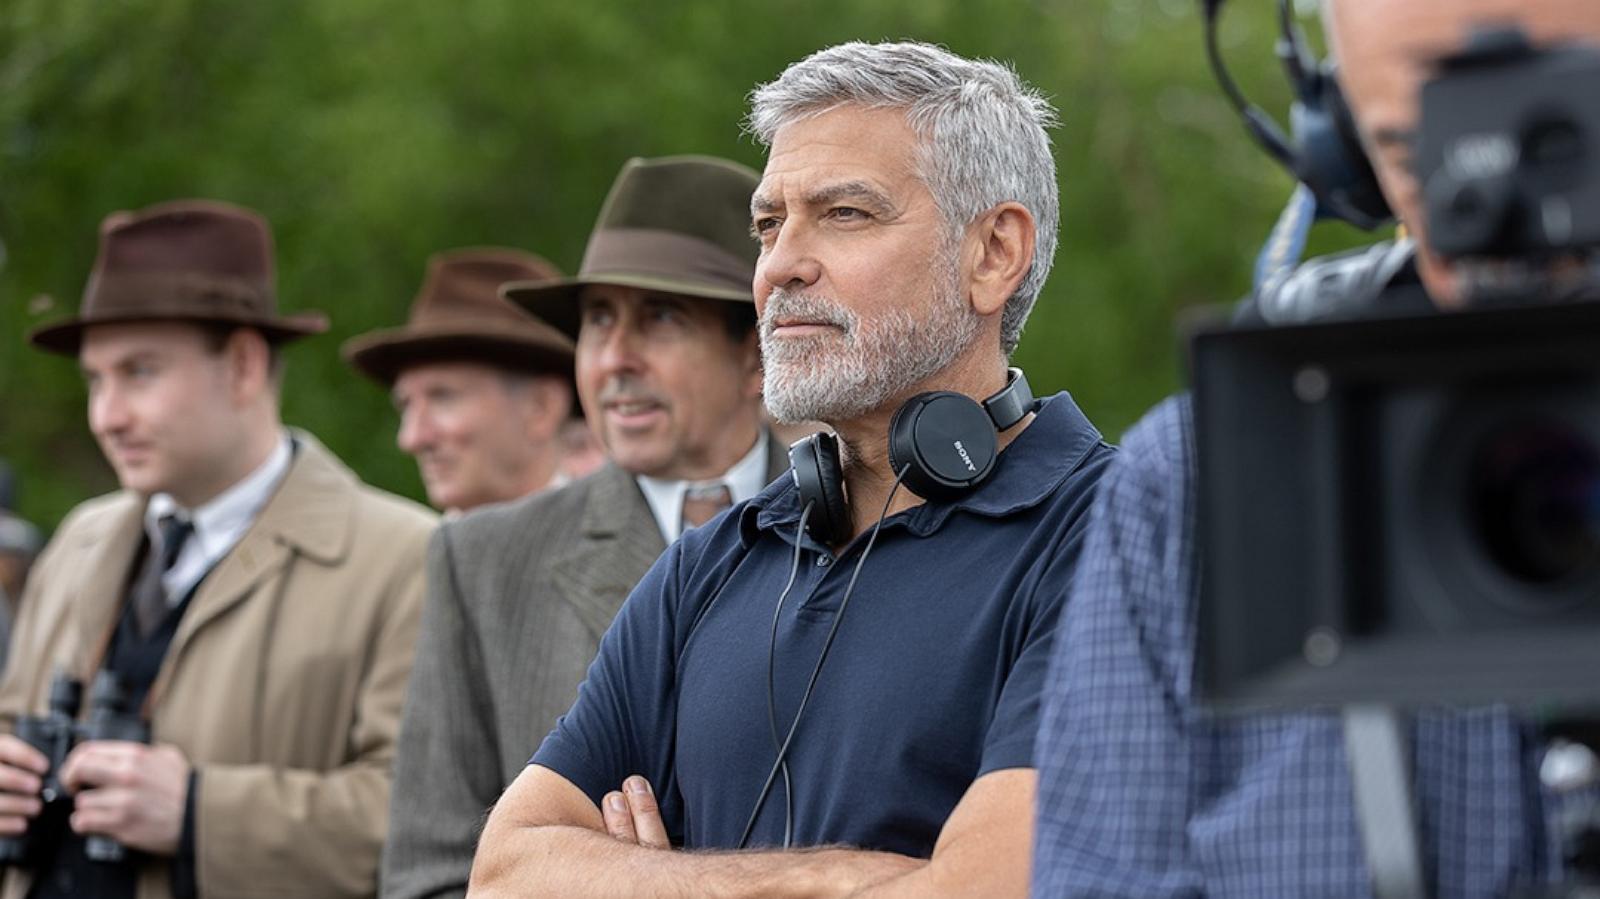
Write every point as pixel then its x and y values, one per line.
pixel 787 305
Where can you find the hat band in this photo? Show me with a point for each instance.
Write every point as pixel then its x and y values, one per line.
pixel 175 294
pixel 656 253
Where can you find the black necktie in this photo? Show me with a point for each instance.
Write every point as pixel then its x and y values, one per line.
pixel 149 594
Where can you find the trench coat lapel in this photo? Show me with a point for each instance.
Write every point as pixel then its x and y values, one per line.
pixel 309 516
pixel 617 542
pixel 110 553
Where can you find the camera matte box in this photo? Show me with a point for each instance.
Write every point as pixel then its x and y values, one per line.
pixel 1340 563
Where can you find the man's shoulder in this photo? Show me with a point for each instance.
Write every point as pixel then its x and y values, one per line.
pixel 1160 446
pixel 93 515
pixel 90 521
pixel 394 514
pixel 376 513
pixel 533 525
pixel 518 519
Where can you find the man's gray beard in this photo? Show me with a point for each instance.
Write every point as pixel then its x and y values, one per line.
pixel 834 377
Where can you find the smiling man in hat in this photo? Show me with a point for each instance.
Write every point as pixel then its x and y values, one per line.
pixel 255 601
pixel 483 389
pixel 669 374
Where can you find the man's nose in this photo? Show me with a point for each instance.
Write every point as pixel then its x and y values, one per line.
pixel 416 429
pixel 108 409
pixel 789 262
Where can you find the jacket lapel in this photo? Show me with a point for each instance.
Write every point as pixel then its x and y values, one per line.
pixel 309 516
pixel 617 543
pixel 109 555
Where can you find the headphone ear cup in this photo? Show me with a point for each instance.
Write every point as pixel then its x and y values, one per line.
pixel 819 476
pixel 945 441
pixel 1329 157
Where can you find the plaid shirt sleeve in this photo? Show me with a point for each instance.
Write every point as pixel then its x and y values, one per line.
pixel 1143 794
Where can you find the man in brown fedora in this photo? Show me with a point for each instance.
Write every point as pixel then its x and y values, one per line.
pixel 254 604
pixel 669 374
pixel 483 389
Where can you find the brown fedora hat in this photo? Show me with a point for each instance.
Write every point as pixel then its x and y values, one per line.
pixel 459 316
pixel 187 260
pixel 677 224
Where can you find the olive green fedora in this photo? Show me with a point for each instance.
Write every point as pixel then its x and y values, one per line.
pixel 676 224
pixel 458 315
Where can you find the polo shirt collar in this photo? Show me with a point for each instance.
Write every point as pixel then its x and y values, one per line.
pixel 1028 471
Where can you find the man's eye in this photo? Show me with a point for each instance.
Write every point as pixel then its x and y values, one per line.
pixel 846 213
pixel 596 317
pixel 764 226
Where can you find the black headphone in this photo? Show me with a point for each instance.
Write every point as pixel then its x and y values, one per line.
pixel 947 443
pixel 1324 152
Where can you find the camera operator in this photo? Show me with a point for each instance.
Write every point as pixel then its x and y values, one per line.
pixel 1142 792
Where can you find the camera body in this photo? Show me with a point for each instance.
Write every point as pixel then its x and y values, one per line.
pixel 55 734
pixel 1406 509
pixel 1510 149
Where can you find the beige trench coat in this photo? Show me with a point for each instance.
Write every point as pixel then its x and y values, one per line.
pixel 283 684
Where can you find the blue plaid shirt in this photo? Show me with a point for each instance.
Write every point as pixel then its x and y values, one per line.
pixel 1142 794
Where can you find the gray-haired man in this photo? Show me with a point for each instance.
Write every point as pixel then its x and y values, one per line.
pixel 907 220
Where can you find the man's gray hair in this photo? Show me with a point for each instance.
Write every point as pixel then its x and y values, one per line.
pixel 982 129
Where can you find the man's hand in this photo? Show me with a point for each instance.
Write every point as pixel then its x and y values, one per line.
pixel 130 792
pixel 633 816
pixel 21 770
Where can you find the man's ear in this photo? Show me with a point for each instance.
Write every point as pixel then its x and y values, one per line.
pixel 1001 242
pixel 547 404
pixel 249 361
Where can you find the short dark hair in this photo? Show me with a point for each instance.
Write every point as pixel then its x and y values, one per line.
pixel 217 334
pixel 738 318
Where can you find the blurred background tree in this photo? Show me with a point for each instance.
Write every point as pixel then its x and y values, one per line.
pixel 375 132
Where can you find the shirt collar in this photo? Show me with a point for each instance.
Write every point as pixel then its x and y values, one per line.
pixel 221 522
pixel 1027 471
pixel 744 480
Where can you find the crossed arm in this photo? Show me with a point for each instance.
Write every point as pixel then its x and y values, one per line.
pixel 547 838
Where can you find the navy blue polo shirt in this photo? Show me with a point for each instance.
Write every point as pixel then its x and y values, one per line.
pixel 933 680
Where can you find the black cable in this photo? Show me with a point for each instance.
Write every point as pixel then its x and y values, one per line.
pixel 1261 126
pixel 816 671
pixel 772 651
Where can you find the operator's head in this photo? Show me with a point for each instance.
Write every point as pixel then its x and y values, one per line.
pixel 907 220
pixel 1387 49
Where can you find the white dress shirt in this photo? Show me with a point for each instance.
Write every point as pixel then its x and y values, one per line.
pixel 745 479
pixel 219 524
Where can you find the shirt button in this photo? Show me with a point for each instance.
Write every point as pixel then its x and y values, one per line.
pixel 824 560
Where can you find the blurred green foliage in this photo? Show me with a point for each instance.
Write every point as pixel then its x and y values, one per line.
pixel 375 132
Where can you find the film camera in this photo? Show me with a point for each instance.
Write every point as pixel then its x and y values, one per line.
pixel 1400 509
pixel 1407 509
pixel 55 734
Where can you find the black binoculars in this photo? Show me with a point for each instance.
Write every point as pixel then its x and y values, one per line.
pixel 54 734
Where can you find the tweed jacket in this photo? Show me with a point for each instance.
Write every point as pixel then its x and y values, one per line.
pixel 519 595
pixel 283 685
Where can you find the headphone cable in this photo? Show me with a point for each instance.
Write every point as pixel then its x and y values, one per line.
pixel 827 645
pixel 772 650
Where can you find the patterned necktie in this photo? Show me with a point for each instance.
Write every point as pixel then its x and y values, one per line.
pixel 702 502
pixel 149 594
